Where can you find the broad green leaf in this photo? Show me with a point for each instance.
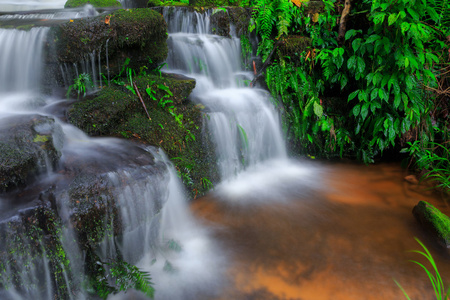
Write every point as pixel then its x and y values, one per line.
pixel 365 110
pixel 353 95
pixel 361 64
pixel 372 38
pixel 351 63
pixel 350 33
pixel 356 44
pixel 318 109
pixel 397 101
pixel 392 19
pixel 374 94
pixel 356 110
pixel 413 13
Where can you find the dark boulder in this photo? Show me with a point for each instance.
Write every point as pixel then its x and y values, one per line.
pixel 29 146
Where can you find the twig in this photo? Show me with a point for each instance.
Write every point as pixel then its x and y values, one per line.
pixel 140 98
pixel 266 63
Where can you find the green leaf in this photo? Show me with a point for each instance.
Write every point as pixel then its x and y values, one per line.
pixel 351 33
pixel 352 95
pixel 383 94
pixel 351 63
pixel 413 13
pixel 397 101
pixel 356 110
pixel 405 27
pixel 372 38
pixel 365 110
pixel 392 18
pixel 374 94
pixel 361 64
pixel 318 109
pixel 356 44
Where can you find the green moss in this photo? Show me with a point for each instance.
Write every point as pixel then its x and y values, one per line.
pixel 95 3
pixel 176 127
pixel 40 139
pixel 440 221
pixel 138 34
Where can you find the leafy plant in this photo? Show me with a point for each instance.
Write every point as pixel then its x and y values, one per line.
pixel 122 276
pixel 207 184
pixel 81 83
pixel 435 279
pixel 435 159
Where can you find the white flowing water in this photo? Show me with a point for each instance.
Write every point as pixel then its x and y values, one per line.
pixel 22 5
pixel 251 151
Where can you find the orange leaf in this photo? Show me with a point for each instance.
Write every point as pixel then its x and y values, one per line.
pixel 297 3
pixel 107 18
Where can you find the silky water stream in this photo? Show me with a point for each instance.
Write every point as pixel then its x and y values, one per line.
pixel 273 228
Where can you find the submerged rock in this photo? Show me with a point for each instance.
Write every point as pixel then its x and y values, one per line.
pixel 434 221
pixel 27 149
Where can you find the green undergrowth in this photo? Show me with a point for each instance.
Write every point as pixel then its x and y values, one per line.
pixel 95 3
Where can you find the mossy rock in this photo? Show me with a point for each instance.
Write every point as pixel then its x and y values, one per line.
pixel 177 126
pixel 26 146
pixel 434 221
pixel 33 241
pixel 139 35
pixel 95 3
pixel 292 47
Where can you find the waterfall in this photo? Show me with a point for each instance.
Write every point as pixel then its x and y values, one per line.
pixel 244 123
pixel 250 148
pixel 22 5
pixel 21 59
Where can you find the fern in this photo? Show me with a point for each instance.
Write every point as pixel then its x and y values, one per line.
pixel 124 276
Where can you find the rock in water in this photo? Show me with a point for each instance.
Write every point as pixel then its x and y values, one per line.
pixel 434 221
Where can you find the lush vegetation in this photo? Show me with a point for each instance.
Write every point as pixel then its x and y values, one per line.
pixel 95 3
pixel 368 78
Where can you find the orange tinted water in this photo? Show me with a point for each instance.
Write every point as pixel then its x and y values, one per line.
pixel 348 242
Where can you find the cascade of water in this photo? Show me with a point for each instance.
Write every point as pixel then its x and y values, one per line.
pixel 22 5
pixel 21 59
pixel 243 121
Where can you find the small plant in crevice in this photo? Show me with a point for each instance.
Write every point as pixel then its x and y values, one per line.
pixel 118 275
pixel 436 280
pixel 80 85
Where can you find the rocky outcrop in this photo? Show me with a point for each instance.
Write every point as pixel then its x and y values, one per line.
pixel 433 221
pixel 173 123
pixel 29 146
pixel 138 35
pixel 81 211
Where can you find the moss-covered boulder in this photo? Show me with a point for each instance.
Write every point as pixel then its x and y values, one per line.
pixel 173 123
pixel 95 3
pixel 138 35
pixel 27 148
pixel 434 221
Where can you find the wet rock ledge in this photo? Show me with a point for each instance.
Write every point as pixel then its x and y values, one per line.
pixel 136 34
